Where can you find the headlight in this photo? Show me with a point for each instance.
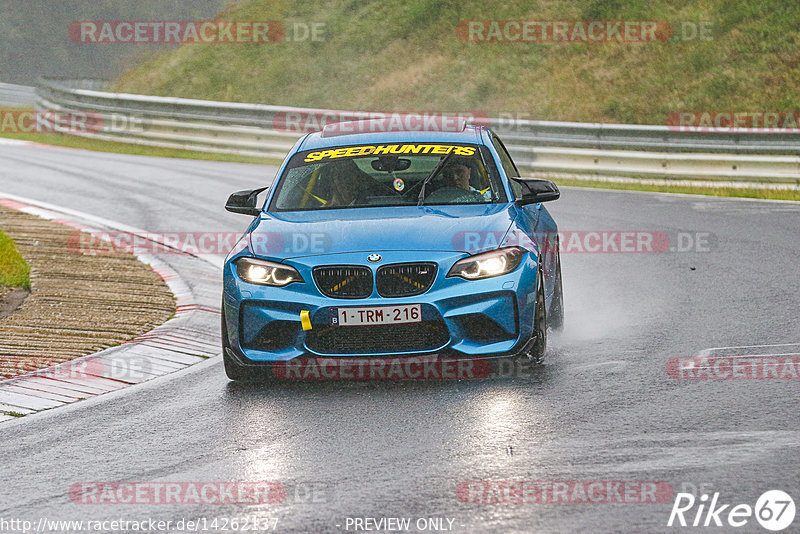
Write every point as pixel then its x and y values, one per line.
pixel 266 273
pixel 488 264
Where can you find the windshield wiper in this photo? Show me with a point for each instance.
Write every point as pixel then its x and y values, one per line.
pixel 430 177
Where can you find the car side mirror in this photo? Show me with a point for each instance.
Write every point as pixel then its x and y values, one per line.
pixel 244 202
pixel 536 190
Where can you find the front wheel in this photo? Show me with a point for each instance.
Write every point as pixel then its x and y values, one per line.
pixel 535 354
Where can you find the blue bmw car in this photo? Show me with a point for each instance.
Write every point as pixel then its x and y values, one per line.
pixel 401 244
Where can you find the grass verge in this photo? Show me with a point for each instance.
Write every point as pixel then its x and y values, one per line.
pixel 97 145
pixel 14 272
pixel 770 194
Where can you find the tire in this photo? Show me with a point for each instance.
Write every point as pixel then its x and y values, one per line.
pixel 556 315
pixel 535 353
pixel 234 369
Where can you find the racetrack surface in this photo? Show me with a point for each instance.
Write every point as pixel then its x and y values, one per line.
pixel 602 408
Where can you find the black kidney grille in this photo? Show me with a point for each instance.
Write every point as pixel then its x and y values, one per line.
pixel 344 281
pixel 405 279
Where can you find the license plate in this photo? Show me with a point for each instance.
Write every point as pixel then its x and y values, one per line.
pixel 406 313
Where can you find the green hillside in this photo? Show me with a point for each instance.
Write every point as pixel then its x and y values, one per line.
pixel 405 55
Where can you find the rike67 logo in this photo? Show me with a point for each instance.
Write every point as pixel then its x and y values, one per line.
pixel 774 510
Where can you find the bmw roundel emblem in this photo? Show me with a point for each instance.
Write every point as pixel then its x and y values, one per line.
pixel 374 258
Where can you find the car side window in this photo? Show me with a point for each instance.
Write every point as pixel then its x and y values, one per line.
pixel 508 165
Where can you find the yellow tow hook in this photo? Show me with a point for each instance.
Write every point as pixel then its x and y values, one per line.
pixel 305 320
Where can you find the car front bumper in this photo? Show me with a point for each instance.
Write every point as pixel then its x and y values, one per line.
pixel 460 318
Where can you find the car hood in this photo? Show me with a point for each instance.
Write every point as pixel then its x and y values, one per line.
pixel 464 228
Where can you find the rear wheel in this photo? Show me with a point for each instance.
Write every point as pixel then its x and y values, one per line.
pixel 556 320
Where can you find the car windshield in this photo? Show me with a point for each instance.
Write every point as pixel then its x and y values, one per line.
pixel 386 175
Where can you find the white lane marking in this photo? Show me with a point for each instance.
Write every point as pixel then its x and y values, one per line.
pixel 707 352
pixel 15 142
pixel 649 452
pixel 720 352
pixel 749 356
pixel 757 346
pixel 598 364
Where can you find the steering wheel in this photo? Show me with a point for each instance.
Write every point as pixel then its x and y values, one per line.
pixel 450 194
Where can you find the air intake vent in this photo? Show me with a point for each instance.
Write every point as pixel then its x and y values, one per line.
pixel 379 339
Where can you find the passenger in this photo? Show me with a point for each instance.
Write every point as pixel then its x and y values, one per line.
pixel 350 186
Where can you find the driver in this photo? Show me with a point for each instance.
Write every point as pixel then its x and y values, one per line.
pixel 458 173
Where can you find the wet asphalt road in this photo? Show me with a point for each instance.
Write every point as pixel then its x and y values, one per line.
pixel 602 408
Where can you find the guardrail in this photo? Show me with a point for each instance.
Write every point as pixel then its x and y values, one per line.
pixel 539 146
pixel 17 95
